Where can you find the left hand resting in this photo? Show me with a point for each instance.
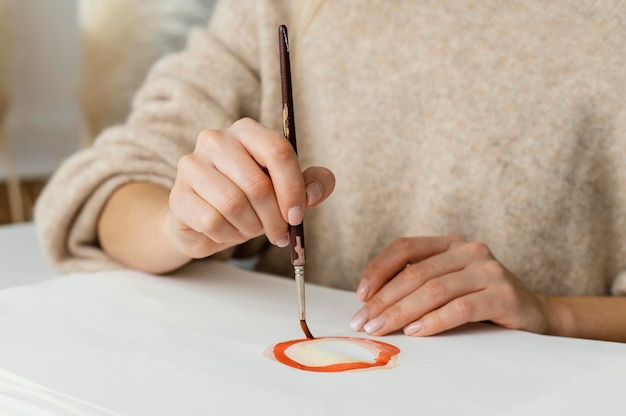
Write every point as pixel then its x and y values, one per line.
pixel 427 285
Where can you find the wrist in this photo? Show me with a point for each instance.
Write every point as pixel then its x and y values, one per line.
pixel 132 229
pixel 593 317
pixel 558 315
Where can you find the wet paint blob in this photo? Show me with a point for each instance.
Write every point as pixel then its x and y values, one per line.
pixel 335 354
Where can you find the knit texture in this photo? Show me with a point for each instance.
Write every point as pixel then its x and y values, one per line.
pixel 504 122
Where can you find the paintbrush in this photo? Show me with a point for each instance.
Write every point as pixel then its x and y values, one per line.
pixel 296 233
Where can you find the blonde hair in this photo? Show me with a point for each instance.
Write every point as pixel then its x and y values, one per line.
pixel 121 39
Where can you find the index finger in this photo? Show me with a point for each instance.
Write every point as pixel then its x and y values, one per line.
pixel 272 151
pixel 396 257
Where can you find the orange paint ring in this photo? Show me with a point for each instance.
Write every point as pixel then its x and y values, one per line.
pixel 386 352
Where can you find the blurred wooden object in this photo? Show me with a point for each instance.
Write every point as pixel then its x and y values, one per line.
pixel 29 191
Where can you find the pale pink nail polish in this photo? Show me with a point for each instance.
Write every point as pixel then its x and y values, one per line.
pixel 374 325
pixel 363 290
pixel 414 328
pixel 294 215
pixel 358 320
pixel 314 192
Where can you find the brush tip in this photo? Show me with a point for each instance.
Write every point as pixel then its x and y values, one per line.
pixel 305 329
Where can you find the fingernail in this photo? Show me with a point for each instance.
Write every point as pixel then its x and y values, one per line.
pixel 283 242
pixel 294 215
pixel 363 290
pixel 314 192
pixel 358 320
pixel 414 328
pixel 374 325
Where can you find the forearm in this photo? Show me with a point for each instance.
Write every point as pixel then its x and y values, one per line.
pixel 133 229
pixel 601 318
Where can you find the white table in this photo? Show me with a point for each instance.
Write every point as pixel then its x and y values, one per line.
pixel 21 260
pixel 193 343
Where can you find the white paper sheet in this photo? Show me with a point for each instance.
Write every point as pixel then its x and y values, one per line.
pixel 21 397
pixel 193 344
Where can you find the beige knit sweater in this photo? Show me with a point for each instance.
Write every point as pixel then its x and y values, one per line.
pixel 504 121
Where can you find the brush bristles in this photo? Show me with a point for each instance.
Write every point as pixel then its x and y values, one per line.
pixel 305 329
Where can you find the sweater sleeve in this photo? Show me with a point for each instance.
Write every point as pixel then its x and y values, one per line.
pixel 208 85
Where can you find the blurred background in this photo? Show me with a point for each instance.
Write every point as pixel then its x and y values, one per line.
pixel 68 69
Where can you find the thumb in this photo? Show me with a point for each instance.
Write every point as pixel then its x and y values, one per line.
pixel 319 184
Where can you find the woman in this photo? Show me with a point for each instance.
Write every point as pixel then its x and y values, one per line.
pixel 478 151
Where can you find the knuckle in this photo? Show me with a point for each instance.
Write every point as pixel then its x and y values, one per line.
pixel 208 139
pixel 210 225
pixel 493 268
pixel 418 272
pixel 186 163
pixel 376 303
pixel 433 321
pixel 478 249
pixel 243 122
pixel 233 204
pixel 394 313
pixel 435 288
pixel 402 244
pixel 280 151
pixel 258 186
pixel 463 307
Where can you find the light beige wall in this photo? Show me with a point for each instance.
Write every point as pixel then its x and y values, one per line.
pixel 43 120
pixel 14 197
pixel 76 65
pixel 5 53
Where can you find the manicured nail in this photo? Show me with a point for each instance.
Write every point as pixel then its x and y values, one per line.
pixel 374 325
pixel 363 290
pixel 294 215
pixel 358 320
pixel 314 192
pixel 283 242
pixel 414 328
